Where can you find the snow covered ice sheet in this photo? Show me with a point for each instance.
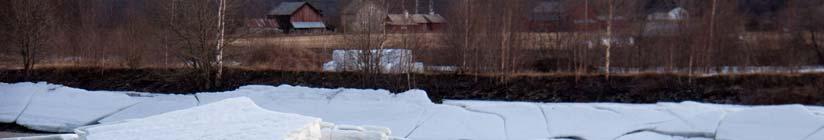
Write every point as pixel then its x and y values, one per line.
pixel 788 122
pixel 235 118
pixel 524 121
pixel 412 115
pixel 447 122
pixel 399 112
pixel 15 97
pixel 62 109
pixel 157 104
pixel 599 121
pixel 692 119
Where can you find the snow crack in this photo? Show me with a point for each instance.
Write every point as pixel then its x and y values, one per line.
pixel 813 133
pixel 506 130
pixel 666 133
pixel 546 119
pixel 418 125
pixel 27 106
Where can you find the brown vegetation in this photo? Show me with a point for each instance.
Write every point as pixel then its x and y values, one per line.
pixel 756 89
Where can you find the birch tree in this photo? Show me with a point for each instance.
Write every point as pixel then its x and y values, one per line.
pixel 199 31
pixel 610 37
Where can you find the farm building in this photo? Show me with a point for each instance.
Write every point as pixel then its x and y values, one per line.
pixel 298 17
pixel 414 22
pixel 663 18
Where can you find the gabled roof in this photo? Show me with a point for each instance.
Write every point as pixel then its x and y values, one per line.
pixel 288 8
pixel 551 6
pixel 435 18
pixel 400 19
pixel 262 23
pixel 418 18
pixel 413 19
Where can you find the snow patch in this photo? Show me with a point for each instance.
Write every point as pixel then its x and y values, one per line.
pixel 64 109
pixel 599 121
pixel 692 119
pixel 447 122
pixel 788 122
pixel 523 120
pixel 15 97
pixel 47 137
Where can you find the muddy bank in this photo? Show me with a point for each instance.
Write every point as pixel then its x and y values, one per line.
pixel 742 89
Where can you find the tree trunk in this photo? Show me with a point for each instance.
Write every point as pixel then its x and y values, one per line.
pixel 221 38
pixel 610 38
pixel 818 50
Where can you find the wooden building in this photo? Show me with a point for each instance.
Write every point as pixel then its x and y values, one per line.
pixel 414 23
pixel 298 17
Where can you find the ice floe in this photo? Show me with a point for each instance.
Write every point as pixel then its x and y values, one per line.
pixel 380 114
pixel 62 109
pixel 235 118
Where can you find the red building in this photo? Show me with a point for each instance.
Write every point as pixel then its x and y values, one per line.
pixel 298 17
pixel 414 23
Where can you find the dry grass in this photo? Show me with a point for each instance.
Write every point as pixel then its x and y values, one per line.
pixel 332 41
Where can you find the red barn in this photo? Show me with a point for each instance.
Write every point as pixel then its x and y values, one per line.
pixel 298 16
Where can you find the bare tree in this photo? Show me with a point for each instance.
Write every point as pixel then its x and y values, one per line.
pixel 199 31
pixel 807 25
pixel 368 37
pixel 31 24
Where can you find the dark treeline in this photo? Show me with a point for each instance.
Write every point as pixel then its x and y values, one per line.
pixel 585 36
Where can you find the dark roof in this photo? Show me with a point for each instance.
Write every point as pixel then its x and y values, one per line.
pixel 552 6
pixel 287 8
pixel 414 19
pixel 547 10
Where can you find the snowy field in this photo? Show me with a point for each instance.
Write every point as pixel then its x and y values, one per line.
pixel 410 115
